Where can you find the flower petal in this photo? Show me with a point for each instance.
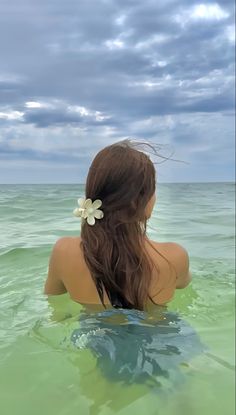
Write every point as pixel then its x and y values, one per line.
pixel 77 212
pixel 85 214
pixel 91 220
pixel 81 201
pixel 88 204
pixel 97 204
pixel 98 214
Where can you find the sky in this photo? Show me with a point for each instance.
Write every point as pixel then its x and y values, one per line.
pixel 78 75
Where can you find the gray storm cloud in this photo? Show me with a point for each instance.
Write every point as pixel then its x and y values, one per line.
pixel 78 75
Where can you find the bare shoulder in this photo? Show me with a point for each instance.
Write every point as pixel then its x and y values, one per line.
pixel 178 257
pixel 54 284
pixel 168 247
pixel 176 251
pixel 61 263
pixel 65 243
pixel 62 250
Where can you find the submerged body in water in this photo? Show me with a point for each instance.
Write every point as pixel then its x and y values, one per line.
pixel 134 346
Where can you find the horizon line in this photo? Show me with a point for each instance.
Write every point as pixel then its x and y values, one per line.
pixel 83 184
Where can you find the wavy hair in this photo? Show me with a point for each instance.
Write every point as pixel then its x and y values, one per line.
pixel 124 178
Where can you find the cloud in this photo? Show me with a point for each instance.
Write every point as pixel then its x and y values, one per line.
pixel 44 115
pixel 198 12
pixel 77 76
pixel 11 115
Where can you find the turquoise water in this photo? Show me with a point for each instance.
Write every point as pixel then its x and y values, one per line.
pixel 58 358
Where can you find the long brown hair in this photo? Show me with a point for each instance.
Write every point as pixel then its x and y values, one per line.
pixel 124 178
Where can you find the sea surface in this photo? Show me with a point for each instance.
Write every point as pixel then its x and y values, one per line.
pixel 57 357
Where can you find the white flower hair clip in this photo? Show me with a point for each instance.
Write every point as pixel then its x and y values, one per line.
pixel 89 210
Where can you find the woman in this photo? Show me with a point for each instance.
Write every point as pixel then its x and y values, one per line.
pixel 113 262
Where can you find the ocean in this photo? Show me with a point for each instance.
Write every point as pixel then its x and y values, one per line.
pixel 57 358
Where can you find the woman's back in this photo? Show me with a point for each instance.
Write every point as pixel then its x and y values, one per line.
pixel 68 271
